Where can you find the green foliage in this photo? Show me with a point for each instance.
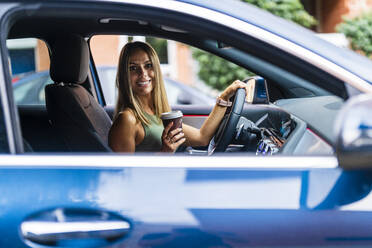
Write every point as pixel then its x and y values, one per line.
pixel 160 46
pixel 359 31
pixel 219 73
pixel 292 10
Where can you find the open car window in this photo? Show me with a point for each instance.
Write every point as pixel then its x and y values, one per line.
pixel 282 125
pixel 282 119
pixel 179 69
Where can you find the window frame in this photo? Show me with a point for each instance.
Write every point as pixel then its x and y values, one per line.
pixel 10 111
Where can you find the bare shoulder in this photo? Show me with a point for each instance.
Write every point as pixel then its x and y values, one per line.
pixel 123 132
pixel 126 117
pixel 125 122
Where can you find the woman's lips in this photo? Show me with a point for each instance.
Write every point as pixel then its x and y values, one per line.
pixel 144 83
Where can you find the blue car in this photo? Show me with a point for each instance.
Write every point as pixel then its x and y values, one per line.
pixel 288 168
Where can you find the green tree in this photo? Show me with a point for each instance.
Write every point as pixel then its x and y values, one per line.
pixel 292 10
pixel 218 73
pixel 359 31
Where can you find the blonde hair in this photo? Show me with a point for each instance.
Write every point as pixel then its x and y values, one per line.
pixel 126 98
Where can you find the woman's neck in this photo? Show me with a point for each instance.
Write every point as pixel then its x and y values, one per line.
pixel 147 104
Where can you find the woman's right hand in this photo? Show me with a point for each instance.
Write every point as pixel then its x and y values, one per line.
pixel 231 89
pixel 172 139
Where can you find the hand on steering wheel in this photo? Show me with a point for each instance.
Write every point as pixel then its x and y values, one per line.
pixel 225 132
pixel 232 88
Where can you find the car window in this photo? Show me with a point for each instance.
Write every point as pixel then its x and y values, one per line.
pixel 261 130
pixel 182 83
pixel 29 60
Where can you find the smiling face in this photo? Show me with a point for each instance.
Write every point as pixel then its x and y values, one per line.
pixel 139 81
pixel 141 73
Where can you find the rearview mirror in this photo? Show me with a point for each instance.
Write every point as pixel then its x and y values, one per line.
pixel 354 133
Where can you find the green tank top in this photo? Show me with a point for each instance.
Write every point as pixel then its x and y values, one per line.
pixel 152 140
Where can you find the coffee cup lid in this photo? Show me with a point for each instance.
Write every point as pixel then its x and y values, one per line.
pixel 171 115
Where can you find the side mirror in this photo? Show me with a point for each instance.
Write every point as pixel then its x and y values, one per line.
pixel 258 90
pixel 354 133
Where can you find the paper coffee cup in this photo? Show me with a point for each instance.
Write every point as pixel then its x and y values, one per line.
pixel 175 116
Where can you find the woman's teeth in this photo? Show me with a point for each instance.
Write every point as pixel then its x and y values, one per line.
pixel 143 83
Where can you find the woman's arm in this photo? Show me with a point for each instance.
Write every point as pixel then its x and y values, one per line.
pixel 122 135
pixel 202 136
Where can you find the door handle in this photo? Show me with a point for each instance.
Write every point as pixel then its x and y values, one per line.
pixel 57 226
pixel 46 232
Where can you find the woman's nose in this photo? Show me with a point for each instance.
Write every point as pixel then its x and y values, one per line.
pixel 142 71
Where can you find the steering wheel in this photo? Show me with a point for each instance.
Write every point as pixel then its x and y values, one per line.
pixel 226 130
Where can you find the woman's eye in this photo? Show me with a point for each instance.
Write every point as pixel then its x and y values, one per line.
pixel 132 68
pixel 148 66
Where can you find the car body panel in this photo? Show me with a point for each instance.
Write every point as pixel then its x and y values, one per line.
pixel 198 207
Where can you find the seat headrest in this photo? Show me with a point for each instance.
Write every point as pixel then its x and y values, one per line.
pixel 70 59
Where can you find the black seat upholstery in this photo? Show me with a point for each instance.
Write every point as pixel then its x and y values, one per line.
pixel 73 111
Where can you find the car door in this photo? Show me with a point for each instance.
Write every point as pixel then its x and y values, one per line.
pixel 147 200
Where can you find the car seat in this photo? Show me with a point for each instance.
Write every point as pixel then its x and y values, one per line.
pixel 73 111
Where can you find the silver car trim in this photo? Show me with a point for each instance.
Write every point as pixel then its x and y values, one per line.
pixel 4 96
pixel 6 112
pixel 238 161
pixel 48 231
pixel 260 34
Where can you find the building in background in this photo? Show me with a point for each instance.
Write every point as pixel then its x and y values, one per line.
pixel 329 13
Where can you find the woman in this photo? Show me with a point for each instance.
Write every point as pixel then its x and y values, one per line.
pixel 142 99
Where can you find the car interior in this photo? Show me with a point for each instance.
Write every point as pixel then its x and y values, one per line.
pixel 75 118
pixel 73 111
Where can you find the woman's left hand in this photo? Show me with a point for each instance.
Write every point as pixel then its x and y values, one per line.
pixel 231 89
pixel 172 139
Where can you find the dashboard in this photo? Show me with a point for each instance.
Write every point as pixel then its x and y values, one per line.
pixel 312 129
pixel 298 126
